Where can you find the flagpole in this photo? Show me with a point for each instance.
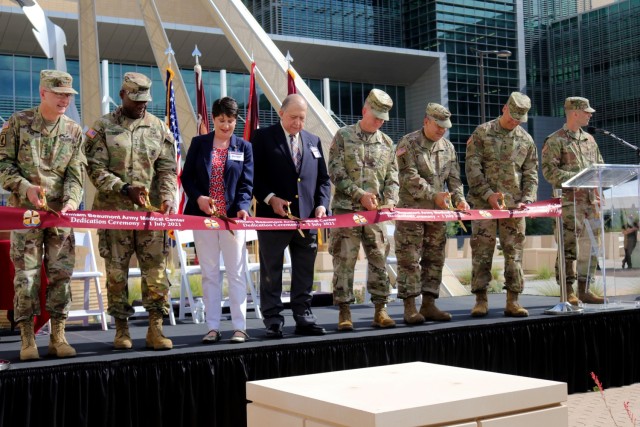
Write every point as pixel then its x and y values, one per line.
pixel 202 123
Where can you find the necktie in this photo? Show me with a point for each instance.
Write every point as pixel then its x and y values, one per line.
pixel 296 155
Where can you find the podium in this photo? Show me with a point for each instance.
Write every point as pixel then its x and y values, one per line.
pixel 615 189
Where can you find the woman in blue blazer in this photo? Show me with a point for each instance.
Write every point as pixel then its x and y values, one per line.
pixel 218 177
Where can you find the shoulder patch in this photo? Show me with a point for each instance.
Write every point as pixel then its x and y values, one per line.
pixel 470 140
pixel 91 133
pixel 400 151
pixel 5 125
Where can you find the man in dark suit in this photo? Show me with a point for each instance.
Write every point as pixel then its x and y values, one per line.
pixel 290 173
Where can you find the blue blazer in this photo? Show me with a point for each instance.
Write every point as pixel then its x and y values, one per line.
pixel 238 175
pixel 276 173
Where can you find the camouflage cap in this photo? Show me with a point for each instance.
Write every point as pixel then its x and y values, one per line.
pixel 137 86
pixel 439 114
pixel 519 105
pixel 380 103
pixel 578 103
pixel 57 81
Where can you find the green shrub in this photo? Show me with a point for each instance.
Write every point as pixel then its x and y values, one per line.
pixel 545 273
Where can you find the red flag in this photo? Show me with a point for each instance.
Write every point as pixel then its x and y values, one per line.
pixel 291 82
pixel 251 123
pixel 201 102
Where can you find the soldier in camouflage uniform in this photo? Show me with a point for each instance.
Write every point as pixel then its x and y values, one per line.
pixel 363 169
pixel 565 153
pixel 131 154
pixel 429 176
pixel 42 160
pixel 502 172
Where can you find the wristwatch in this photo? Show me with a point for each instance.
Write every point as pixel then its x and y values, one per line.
pixel 125 189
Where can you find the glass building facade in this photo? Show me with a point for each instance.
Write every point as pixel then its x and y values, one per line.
pixel 538 14
pixel 594 54
pixel 375 22
pixel 456 27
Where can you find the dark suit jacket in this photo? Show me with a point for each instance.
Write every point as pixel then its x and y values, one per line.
pixel 238 175
pixel 276 173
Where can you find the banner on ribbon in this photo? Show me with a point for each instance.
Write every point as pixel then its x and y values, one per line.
pixel 20 219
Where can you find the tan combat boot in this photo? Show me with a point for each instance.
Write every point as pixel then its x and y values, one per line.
pixel 155 339
pixel 29 350
pixel 58 345
pixel 411 315
pixel 122 340
pixel 429 311
pixel 381 318
pixel 586 296
pixel 344 318
pixel 513 308
pixel 481 308
pixel 571 296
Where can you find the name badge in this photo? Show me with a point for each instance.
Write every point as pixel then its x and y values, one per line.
pixel 237 156
pixel 315 152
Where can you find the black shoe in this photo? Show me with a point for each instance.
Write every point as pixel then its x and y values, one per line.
pixel 311 329
pixel 274 331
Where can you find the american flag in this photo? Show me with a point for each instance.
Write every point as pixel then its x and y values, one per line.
pixel 172 123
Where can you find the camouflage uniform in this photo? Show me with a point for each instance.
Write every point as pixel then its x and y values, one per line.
pixel 360 163
pixel 426 168
pixel 139 152
pixel 32 155
pixel 499 160
pixel 565 154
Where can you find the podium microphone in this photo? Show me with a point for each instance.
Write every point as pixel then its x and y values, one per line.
pixel 593 130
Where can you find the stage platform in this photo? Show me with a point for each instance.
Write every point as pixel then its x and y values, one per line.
pixel 197 384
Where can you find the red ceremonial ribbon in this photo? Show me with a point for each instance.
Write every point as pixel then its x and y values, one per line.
pixel 20 219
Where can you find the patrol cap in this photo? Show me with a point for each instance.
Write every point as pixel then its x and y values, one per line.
pixel 519 105
pixel 578 103
pixel 380 103
pixel 439 114
pixel 57 81
pixel 137 86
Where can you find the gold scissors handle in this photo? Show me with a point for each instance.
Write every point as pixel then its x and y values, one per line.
pixel 294 218
pixel 147 203
pixel 46 208
pixel 216 214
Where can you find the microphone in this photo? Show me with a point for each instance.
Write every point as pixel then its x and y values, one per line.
pixel 593 130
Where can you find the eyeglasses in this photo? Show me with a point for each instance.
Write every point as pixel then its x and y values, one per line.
pixel 60 95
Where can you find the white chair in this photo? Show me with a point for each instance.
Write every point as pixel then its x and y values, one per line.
pixel 88 274
pixel 251 268
pixel 184 237
pixel 135 273
pixel 186 297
